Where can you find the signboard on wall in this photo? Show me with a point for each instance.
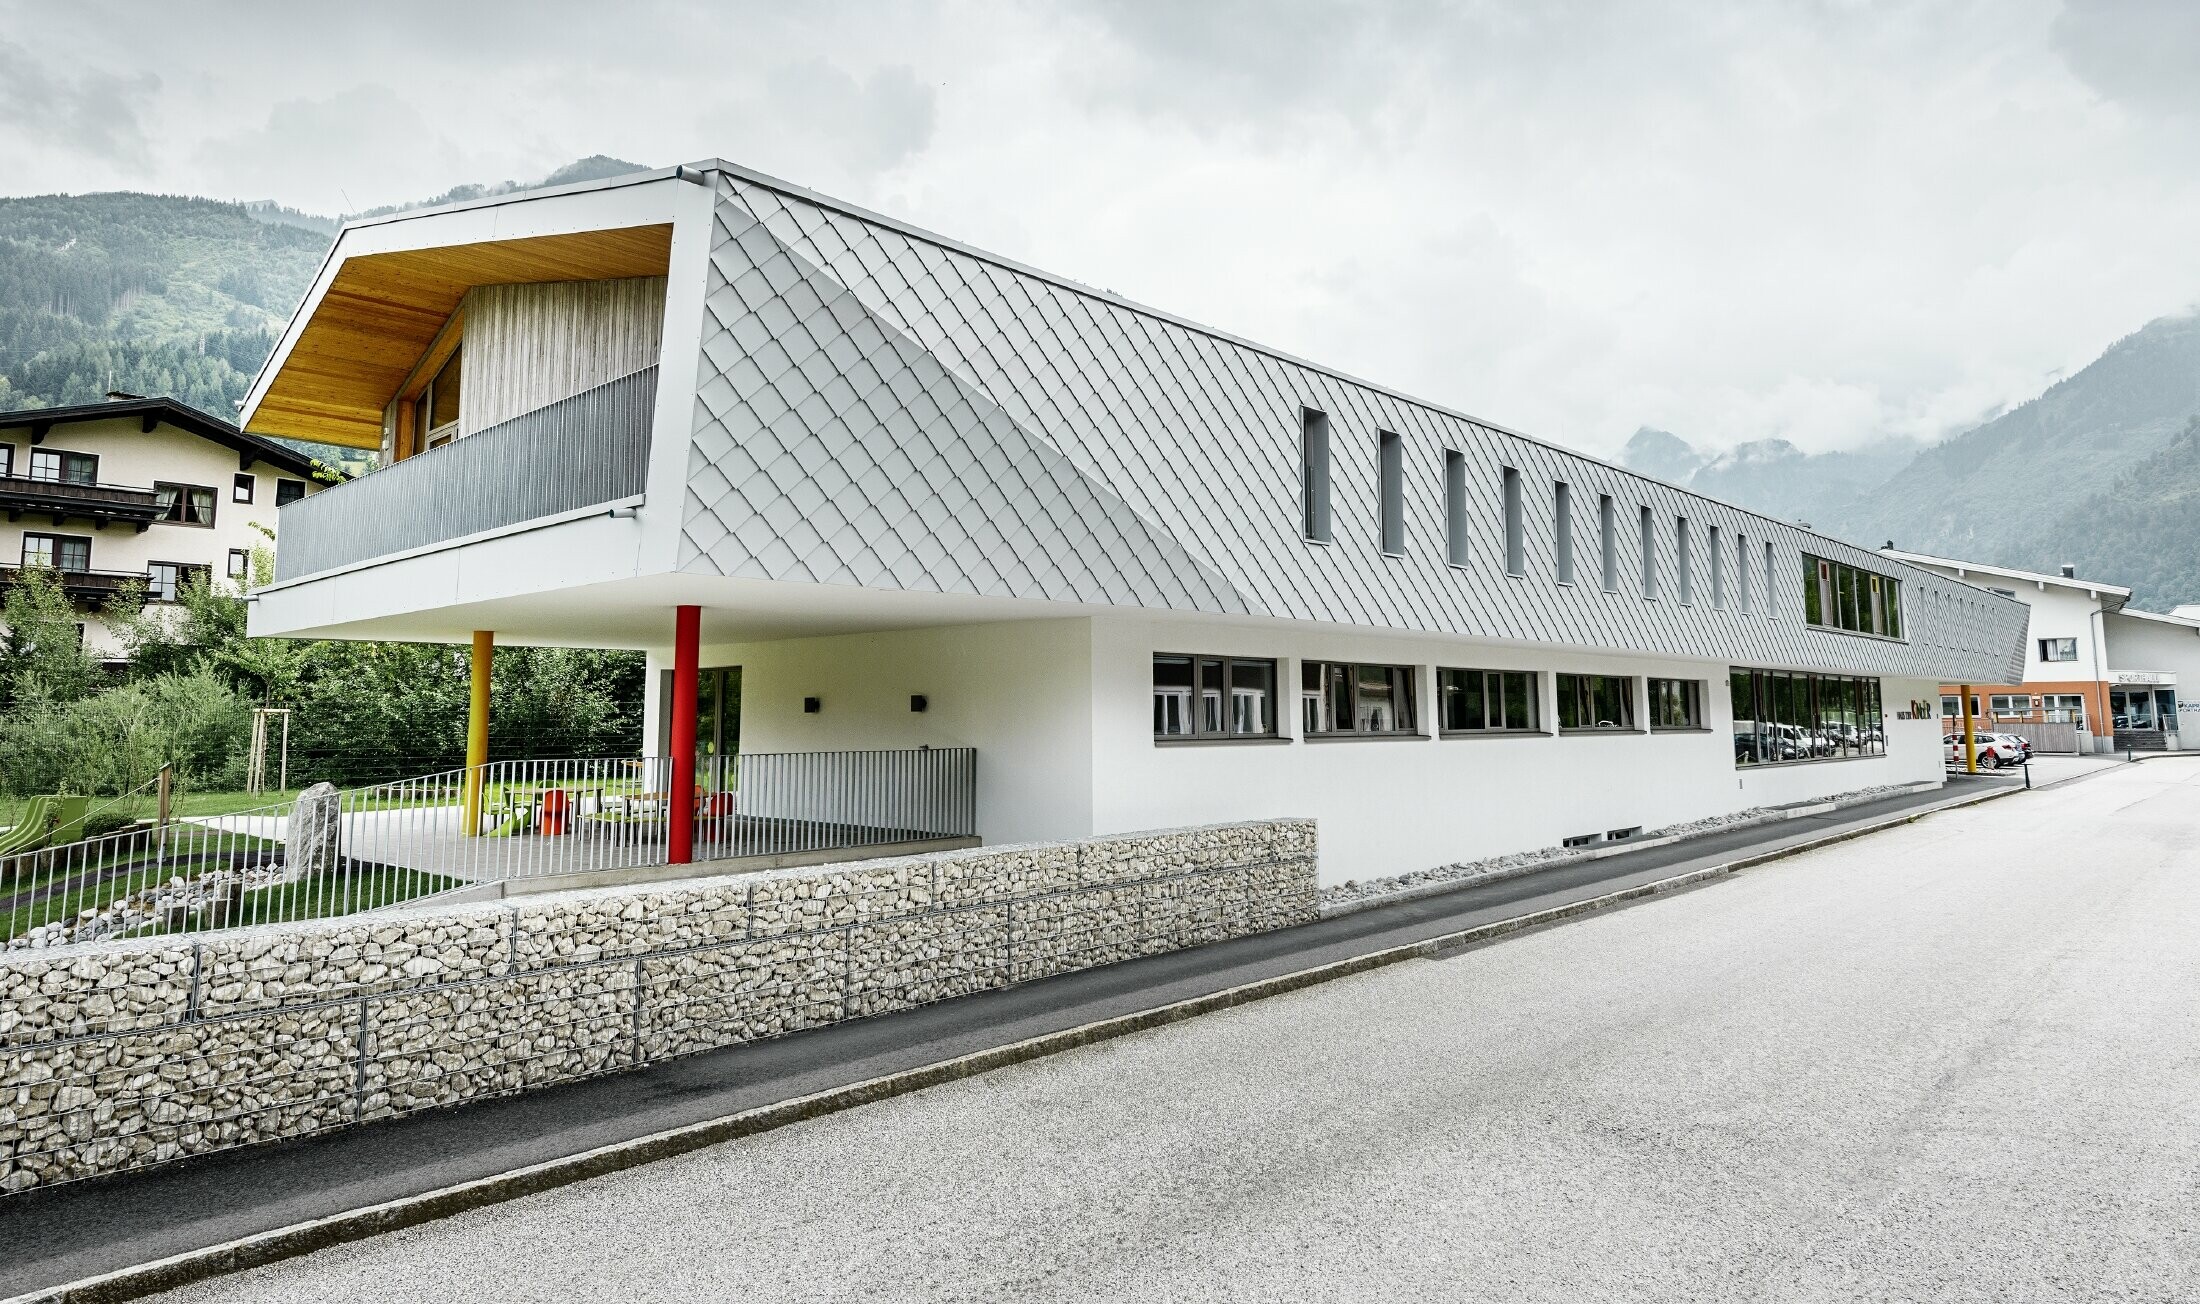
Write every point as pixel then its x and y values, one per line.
pixel 2142 677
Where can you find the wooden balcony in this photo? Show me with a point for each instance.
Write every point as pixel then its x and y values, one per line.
pixel 91 587
pixel 62 500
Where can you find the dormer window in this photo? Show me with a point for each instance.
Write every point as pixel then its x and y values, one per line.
pixel 436 416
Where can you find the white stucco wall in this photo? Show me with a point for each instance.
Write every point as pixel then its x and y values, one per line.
pixel 128 455
pixel 1020 692
pixel 1391 806
pixel 2138 644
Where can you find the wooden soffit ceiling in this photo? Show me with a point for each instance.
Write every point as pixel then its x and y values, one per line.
pixel 383 310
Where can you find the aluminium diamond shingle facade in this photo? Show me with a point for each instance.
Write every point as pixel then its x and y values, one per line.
pixel 879 407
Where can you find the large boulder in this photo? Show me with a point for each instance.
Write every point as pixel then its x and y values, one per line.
pixel 314 844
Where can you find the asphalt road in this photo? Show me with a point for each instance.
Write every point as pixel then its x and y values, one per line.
pixel 1955 1061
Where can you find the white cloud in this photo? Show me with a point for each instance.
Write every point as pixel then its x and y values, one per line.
pixel 1822 222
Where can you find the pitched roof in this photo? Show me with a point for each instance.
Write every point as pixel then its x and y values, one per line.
pixel 152 412
pixel 2113 596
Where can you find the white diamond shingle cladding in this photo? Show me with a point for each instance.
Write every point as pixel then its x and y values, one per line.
pixel 880 407
pixel 132 1054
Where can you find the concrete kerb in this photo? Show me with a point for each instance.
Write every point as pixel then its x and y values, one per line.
pixel 248 1252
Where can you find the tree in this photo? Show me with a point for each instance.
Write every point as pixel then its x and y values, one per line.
pixel 42 657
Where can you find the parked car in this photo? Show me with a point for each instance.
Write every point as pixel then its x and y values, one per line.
pixel 2022 744
pixel 1994 750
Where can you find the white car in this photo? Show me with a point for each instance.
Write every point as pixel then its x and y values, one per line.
pixel 1994 750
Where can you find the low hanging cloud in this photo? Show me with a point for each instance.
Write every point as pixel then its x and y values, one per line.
pixel 1829 223
pixel 86 111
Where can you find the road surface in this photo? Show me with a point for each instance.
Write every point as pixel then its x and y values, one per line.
pixel 1956 1061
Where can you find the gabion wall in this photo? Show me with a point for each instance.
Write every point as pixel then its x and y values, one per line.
pixel 119 1056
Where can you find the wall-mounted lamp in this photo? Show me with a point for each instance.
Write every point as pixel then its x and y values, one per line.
pixel 917 703
pixel 809 706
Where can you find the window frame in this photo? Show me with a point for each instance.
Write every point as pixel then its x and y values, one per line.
pixel 1608 543
pixel 7 459
pixel 1315 523
pixel 1562 531
pixel 183 571
pixel 1841 598
pixel 1228 666
pixel 1691 697
pixel 1516 523
pixel 1807 703
pixel 23 556
pixel 1390 487
pixel 239 564
pixel 243 486
pixel 1590 682
pixel 1455 508
pixel 1320 698
pixel 182 502
pixel 63 459
pixel 284 486
pixel 1493 693
pixel 2053 644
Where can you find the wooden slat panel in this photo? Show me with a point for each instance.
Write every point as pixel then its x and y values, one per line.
pixel 383 310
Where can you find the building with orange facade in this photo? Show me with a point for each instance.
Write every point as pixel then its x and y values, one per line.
pixel 2099 674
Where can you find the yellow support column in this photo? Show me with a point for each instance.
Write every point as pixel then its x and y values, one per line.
pixel 1970 740
pixel 477 728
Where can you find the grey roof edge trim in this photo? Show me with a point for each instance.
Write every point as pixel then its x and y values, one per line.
pixel 2061 581
pixel 620 181
pixel 914 231
pixel 2161 617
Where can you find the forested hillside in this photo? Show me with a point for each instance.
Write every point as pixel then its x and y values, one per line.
pixel 154 294
pixel 2101 471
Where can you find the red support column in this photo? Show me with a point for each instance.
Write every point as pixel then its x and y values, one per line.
pixel 680 809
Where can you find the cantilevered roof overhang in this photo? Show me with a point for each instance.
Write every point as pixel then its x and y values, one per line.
pixel 388 286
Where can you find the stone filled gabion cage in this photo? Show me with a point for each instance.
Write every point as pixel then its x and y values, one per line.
pixel 120 1056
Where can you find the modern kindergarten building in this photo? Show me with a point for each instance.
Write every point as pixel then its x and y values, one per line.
pixel 856 486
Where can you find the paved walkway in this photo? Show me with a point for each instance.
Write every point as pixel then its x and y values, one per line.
pixel 1956 1061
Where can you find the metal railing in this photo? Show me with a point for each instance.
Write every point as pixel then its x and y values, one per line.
pixel 577 452
pixel 463 831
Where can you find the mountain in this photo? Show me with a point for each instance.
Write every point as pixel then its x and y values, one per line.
pixel 1773 476
pixel 2102 470
pixel 2003 490
pixel 167 294
pixel 1663 454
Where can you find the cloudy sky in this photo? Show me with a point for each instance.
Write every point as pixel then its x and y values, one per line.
pixel 1827 222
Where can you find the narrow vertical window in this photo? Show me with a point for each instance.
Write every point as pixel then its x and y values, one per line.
pixel 1686 565
pixel 1391 453
pixel 1562 512
pixel 1455 507
pixel 1772 595
pixel 1715 554
pixel 1741 572
pixel 1608 534
pixel 1314 475
pixel 1649 554
pixel 1516 530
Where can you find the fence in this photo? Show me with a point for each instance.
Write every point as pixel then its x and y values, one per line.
pixel 165 1048
pixel 392 843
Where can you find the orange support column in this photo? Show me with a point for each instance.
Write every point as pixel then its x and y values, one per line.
pixel 687 624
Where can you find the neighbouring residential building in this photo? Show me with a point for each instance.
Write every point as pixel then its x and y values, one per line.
pixel 2098 674
pixel 857 488
pixel 137 492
